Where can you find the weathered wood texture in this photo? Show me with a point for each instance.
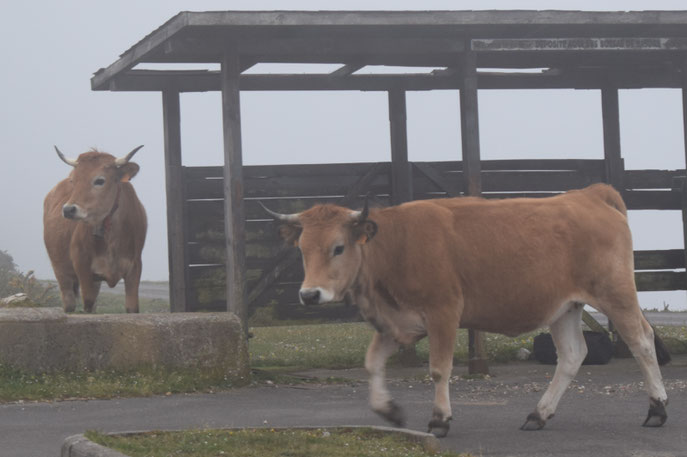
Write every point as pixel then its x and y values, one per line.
pixel 234 223
pixel 176 217
pixel 274 272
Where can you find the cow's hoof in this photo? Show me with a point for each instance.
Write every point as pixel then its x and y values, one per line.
pixel 394 414
pixel 438 427
pixel 657 414
pixel 533 422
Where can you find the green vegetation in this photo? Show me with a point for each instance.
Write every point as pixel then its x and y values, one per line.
pixel 18 386
pixel 344 345
pixel 113 303
pixel 339 442
pixel 13 281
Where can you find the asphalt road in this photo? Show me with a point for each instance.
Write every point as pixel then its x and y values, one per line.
pixel 600 415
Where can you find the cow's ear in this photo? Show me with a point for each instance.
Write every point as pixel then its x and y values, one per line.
pixel 127 171
pixel 364 231
pixel 290 233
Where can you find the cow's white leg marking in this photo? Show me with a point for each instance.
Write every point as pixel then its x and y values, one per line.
pixel 380 349
pixel 571 349
pixel 442 337
pixel 639 336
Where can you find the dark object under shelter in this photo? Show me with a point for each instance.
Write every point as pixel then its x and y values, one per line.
pixel 223 254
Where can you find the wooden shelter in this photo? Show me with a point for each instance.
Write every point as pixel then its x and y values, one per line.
pixel 211 210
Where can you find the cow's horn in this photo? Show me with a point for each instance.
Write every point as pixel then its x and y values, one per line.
pixel 122 160
pixel 71 162
pixel 362 215
pixel 292 218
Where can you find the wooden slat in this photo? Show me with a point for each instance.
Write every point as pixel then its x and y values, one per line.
pixel 652 199
pixel 286 186
pixel 670 259
pixel 432 180
pixel 660 280
pixel 651 179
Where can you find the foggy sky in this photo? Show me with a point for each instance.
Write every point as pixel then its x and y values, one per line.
pixel 51 49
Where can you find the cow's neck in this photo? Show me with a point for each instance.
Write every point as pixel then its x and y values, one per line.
pixel 100 230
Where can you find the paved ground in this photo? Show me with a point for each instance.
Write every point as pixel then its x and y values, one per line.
pixel 599 416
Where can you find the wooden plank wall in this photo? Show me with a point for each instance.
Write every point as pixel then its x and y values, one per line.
pixel 274 271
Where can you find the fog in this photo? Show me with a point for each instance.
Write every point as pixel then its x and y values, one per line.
pixel 51 49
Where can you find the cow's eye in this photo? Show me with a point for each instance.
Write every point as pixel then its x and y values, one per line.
pixel 99 181
pixel 338 250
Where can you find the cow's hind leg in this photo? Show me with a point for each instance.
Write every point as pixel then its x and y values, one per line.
pixel 639 336
pixel 381 348
pixel 571 349
pixel 442 336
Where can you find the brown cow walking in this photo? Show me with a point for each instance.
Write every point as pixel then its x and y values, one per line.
pixel 425 268
pixel 94 228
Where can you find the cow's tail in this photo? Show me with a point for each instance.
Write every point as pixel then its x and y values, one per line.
pixel 611 196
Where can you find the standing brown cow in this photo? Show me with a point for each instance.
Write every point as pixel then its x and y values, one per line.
pixel 425 268
pixel 94 228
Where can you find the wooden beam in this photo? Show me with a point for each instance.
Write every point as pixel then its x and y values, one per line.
pixel 469 126
pixel 578 44
pixel 611 129
pixel 234 220
pixel 208 81
pixel 176 202
pixel 401 181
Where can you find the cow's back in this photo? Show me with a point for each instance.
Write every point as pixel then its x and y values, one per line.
pixel 509 255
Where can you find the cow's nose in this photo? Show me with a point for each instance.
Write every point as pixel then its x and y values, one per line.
pixel 69 211
pixel 310 296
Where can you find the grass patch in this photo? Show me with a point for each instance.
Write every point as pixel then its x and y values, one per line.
pixel 339 442
pixel 113 303
pixel 344 346
pixel 19 386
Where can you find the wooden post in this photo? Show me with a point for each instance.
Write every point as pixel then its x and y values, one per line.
pixel 176 202
pixel 613 161
pixel 469 123
pixel 401 182
pixel 684 132
pixel 234 220
pixel 401 178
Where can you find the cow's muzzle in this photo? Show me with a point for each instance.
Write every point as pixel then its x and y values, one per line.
pixel 315 295
pixel 310 296
pixel 72 212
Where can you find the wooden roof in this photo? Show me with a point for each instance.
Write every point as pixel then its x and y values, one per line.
pixel 569 49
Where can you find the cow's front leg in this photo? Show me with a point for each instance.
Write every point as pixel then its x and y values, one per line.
pixel 131 283
pixel 571 349
pixel 89 291
pixel 442 337
pixel 381 348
